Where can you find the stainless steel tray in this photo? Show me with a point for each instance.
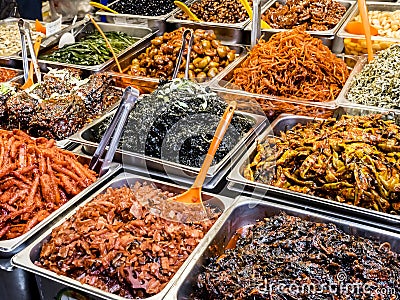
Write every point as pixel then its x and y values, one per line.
pixel 222 83
pixel 175 170
pixel 141 33
pixel 12 246
pixel 380 6
pixel 282 123
pixel 331 32
pixel 151 82
pixel 232 33
pixel 26 258
pixel 154 22
pixel 247 211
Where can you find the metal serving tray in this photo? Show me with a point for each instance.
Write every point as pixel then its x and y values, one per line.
pixel 380 6
pixel 222 83
pixel 355 108
pixel 141 33
pixel 247 211
pixel 281 124
pixel 151 82
pixel 26 258
pixel 328 37
pixel 154 22
pixel 12 246
pixel 185 173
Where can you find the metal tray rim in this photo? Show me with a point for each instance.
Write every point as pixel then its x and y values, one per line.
pixel 21 260
pixel 331 32
pixel 342 33
pixel 100 67
pixel 260 122
pixel 244 200
pixel 236 177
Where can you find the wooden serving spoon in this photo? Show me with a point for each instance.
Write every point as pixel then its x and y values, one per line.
pixel 29 82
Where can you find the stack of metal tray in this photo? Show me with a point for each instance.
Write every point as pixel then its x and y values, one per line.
pixel 177 172
pixel 239 183
pixel 247 211
pixel 52 285
pixel 17 283
pixel 328 37
pixel 141 33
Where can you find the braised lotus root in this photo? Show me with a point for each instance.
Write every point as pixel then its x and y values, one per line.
pixel 354 160
pixel 36 178
pixel 295 65
pixel 208 56
pixel 115 244
pixel 316 14
pixel 287 258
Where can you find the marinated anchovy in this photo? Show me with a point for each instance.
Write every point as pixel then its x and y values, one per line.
pixel 286 258
pixel 378 84
pixel 91 50
pixel 177 123
pixel 354 160
pixel 316 14
pixel 208 58
pixel 144 7
pixel 218 11
pixel 292 64
pixel 115 244
pixel 58 107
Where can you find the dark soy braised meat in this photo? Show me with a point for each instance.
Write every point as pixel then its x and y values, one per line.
pixel 60 106
pixel 318 15
pixel 114 243
pixel 286 258
pixel 177 123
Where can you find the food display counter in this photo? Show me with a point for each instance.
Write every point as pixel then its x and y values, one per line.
pixel 303 189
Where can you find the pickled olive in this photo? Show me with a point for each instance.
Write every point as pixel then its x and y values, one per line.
pixel 201 75
pixel 208 57
pixel 222 51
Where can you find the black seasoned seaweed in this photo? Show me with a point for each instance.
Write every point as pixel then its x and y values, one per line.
pixel 177 123
pixel 285 257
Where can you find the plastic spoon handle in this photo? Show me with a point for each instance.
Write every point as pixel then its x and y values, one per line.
pixel 246 5
pixel 186 10
pixel 101 6
pixel 107 42
pixel 218 136
pixel 364 17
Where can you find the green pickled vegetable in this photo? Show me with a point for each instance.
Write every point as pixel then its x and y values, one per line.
pixel 91 50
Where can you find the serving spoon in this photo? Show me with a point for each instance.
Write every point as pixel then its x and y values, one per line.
pixel 187 10
pixel 246 5
pixel 362 6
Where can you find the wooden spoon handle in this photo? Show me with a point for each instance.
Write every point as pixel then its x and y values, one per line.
pixel 218 136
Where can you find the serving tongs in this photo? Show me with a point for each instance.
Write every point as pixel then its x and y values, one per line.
pixel 114 132
pixel 26 40
pixel 187 34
